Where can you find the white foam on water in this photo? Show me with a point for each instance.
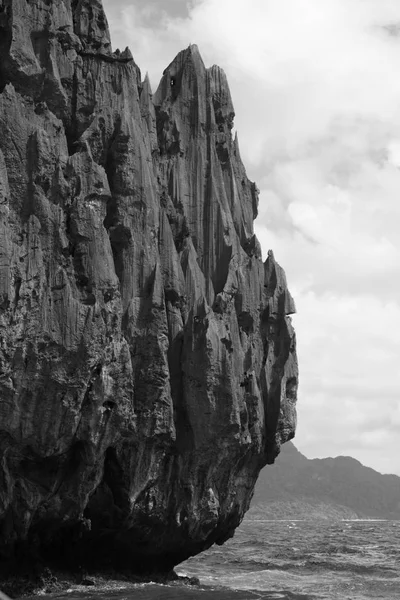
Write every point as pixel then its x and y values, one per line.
pixel 365 520
pixel 263 581
pixel 276 520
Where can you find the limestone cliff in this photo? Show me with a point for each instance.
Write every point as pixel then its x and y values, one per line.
pixel 147 363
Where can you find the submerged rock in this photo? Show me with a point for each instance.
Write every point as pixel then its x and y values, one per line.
pixel 147 360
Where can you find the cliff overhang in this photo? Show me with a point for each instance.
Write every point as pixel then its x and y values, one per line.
pixel 147 359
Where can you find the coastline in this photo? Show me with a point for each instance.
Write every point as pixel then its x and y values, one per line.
pixel 55 581
pixel 66 587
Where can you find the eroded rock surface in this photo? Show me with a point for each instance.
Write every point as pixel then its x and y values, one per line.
pixel 147 363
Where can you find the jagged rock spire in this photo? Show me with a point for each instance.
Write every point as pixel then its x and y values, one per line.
pixel 147 361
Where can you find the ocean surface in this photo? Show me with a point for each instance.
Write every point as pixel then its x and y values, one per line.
pixel 287 560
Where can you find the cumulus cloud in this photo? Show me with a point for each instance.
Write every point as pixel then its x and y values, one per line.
pixel 317 95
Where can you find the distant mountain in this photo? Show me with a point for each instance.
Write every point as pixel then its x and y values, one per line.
pixel 297 487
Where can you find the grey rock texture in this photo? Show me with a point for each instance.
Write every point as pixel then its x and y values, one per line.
pixel 147 361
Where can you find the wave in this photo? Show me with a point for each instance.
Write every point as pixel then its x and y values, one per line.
pixel 324 559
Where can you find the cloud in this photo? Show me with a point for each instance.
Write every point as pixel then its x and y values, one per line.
pixel 317 99
pixel 348 350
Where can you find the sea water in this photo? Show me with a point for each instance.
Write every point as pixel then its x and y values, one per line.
pixel 287 560
pixel 354 560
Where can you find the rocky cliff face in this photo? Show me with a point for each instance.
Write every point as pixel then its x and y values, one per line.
pixel 147 363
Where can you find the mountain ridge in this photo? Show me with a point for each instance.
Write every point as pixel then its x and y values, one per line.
pixel 298 486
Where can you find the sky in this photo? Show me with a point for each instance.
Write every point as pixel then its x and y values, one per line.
pixel 316 90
